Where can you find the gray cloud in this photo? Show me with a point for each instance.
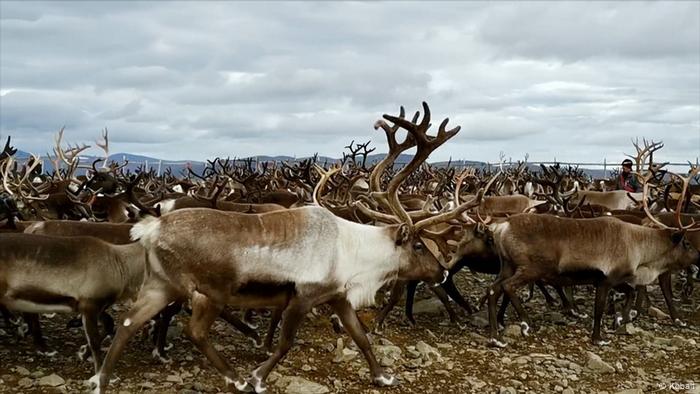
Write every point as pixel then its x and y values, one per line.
pixel 576 81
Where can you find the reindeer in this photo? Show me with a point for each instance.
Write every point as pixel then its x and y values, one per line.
pixel 47 274
pixel 604 252
pixel 253 261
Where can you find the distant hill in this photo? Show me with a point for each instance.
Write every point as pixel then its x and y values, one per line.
pixel 179 166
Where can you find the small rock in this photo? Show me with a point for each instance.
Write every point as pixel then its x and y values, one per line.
pixel 431 306
pixel 52 380
pixel 512 331
pixel 306 368
pixel 343 354
pixel 22 371
pixel 173 379
pixel 507 390
pixel 596 364
pixel 36 374
pixel 618 367
pixel 657 313
pixel 627 329
pixel 298 385
pixel 479 319
pixel 428 352
pixel 25 383
pixel 556 318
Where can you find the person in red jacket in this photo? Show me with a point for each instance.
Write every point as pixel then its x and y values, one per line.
pixel 626 180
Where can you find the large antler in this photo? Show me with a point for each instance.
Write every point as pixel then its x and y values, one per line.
pixel 8 150
pixel 685 181
pixel 425 145
pixel 104 146
pixel 645 153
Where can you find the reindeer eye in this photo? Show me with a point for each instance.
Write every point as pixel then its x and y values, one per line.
pixel 418 246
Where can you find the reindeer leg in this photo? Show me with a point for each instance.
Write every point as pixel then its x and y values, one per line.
pixel 456 296
pixel 90 314
pixel 667 290
pixel 160 334
pixel 442 295
pixel 204 312
pixel 501 317
pixel 6 316
pixel 626 315
pixel 292 318
pixel 410 297
pixel 248 319
pixel 643 302
pixel 153 297
pixel 34 327
pixel 551 302
pixel 241 326
pixel 493 295
pixel 530 292
pixel 274 322
pixel 396 291
pixel 353 326
pixel 601 298
pixel 510 286
pixel 107 324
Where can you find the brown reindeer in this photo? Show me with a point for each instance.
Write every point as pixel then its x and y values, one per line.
pixel 604 252
pixel 292 259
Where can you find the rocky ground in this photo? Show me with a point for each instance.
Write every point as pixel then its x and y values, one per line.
pixel 651 355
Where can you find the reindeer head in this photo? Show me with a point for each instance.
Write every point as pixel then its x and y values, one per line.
pixel 424 251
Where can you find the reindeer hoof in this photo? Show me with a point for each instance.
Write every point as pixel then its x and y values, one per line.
pixel 633 313
pixel 578 314
pixel 156 354
pixel 22 330
pixel 336 323
pixel 601 342
pixel 250 385
pixel 385 380
pixel 379 329
pixel 168 347
pixel 617 322
pixel 680 323
pixel 83 353
pixel 461 326
pixel 94 384
pixel 496 343
pixel 48 354
pixel 525 329
pixel 257 342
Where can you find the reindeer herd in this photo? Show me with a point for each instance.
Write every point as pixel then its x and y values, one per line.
pixel 288 237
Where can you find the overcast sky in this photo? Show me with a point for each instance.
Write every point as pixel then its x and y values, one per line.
pixel 576 81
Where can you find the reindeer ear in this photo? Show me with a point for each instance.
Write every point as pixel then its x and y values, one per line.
pixel 677 237
pixel 403 234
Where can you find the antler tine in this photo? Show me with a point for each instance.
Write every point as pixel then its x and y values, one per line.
pixel 5 174
pixel 325 176
pixel 458 186
pixel 643 153
pixel 694 170
pixel 395 149
pixel 453 214
pixel 104 146
pixel 7 150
